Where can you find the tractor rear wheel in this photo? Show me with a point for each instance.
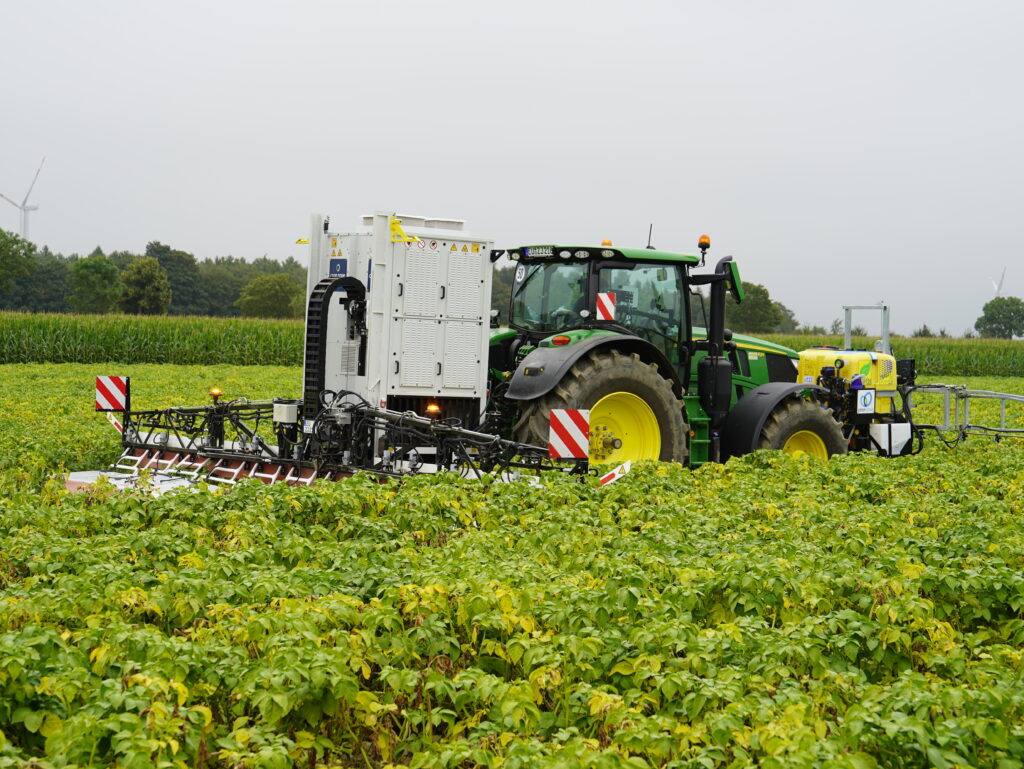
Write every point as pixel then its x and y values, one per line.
pixel 634 413
pixel 799 426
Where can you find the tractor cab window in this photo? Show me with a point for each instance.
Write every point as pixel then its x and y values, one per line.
pixel 549 296
pixel 648 301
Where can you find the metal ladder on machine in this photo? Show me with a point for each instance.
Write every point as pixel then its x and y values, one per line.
pixel 956 399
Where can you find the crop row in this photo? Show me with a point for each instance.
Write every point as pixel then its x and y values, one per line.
pixel 56 338
pixel 935 356
pixel 59 338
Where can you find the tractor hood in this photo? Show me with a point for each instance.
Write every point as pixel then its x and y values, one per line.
pixel 751 343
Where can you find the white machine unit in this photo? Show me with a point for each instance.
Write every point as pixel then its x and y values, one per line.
pixel 422 337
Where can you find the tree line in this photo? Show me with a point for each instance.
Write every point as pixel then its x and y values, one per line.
pixel 165 280
pixel 162 280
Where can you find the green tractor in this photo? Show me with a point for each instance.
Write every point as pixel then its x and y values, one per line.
pixel 609 329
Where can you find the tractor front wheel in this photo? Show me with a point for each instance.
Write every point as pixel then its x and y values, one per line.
pixel 798 426
pixel 634 413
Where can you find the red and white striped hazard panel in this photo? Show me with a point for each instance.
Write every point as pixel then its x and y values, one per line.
pixel 569 433
pixel 606 306
pixel 615 474
pixel 111 393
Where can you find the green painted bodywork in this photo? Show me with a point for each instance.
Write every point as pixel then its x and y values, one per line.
pixel 576 336
pixel 499 335
pixel 650 254
pixel 751 343
pixel 735 283
pixel 697 419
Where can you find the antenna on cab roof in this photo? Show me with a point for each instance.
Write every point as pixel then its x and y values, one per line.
pixel 650 231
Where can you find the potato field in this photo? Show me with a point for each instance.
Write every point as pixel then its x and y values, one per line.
pixel 770 612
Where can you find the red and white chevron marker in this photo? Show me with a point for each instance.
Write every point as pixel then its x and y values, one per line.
pixel 111 393
pixel 606 306
pixel 117 425
pixel 615 474
pixel 569 433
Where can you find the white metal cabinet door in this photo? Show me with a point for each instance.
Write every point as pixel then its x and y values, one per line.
pixel 460 367
pixel 464 283
pixel 416 362
pixel 418 284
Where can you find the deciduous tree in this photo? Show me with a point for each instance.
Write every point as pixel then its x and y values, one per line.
pixel 757 313
pixel 1002 317
pixel 95 284
pixel 16 258
pixel 183 274
pixel 147 290
pixel 269 296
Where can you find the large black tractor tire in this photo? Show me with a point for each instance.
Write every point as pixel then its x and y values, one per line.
pixel 799 426
pixel 634 412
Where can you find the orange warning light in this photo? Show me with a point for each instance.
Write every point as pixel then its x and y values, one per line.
pixel 606 242
pixel 215 393
pixel 433 409
pixel 704 242
pixel 560 341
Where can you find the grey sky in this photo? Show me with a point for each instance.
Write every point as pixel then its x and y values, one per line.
pixel 843 152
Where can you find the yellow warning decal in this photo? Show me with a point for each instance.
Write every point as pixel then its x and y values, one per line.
pixel 476 248
pixel 398 234
pixel 334 242
pixel 465 249
pixel 303 241
pixel 454 247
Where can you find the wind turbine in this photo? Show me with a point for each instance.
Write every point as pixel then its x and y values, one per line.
pixel 999 286
pixel 24 207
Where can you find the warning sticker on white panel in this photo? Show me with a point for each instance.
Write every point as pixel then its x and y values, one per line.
pixel 520 273
pixel 866 402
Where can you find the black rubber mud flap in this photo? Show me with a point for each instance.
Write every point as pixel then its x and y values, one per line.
pixel 743 426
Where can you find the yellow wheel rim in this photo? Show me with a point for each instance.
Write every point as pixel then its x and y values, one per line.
pixel 806 442
pixel 623 428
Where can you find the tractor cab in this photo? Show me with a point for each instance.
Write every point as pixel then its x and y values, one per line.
pixel 642 292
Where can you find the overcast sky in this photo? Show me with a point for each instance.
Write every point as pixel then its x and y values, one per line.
pixel 843 152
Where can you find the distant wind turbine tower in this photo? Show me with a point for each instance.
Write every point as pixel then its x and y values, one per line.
pixel 24 207
pixel 999 286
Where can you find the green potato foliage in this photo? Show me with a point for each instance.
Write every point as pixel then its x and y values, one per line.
pixel 772 612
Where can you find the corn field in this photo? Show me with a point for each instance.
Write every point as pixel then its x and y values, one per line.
pixel 58 338
pixel 934 356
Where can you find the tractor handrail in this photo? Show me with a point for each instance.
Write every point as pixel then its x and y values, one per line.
pixel 956 409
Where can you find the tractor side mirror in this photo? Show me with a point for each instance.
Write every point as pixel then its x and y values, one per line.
pixel 733 281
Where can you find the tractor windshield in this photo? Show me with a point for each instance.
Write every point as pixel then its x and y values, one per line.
pixel 549 296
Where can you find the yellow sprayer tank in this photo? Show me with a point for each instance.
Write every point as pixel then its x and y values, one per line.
pixel 876 371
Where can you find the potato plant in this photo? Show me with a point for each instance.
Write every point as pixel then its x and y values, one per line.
pixel 767 612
